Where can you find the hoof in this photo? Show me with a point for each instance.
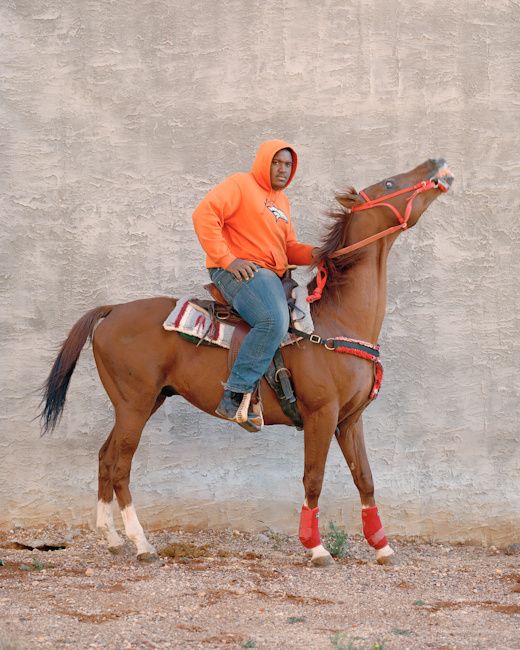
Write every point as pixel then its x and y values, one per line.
pixel 322 560
pixel 387 560
pixel 116 550
pixel 147 557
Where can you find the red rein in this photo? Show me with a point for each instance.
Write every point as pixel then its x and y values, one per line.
pixel 419 188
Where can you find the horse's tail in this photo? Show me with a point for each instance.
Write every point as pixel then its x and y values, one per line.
pixel 57 384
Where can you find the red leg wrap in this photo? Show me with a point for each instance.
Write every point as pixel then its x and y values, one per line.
pixel 309 529
pixel 372 528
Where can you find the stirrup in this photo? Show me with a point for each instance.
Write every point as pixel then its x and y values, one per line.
pixel 255 422
pixel 243 409
pixel 238 412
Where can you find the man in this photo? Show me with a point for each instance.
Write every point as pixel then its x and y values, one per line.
pixel 244 226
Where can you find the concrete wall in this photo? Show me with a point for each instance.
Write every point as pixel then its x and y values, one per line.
pixel 117 117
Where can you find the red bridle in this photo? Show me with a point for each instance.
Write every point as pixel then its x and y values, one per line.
pixel 419 188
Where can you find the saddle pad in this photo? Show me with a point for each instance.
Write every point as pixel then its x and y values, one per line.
pixel 301 312
pixel 193 320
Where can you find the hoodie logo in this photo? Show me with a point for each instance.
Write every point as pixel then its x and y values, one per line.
pixel 278 214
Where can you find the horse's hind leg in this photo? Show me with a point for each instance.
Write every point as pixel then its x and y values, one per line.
pixel 352 442
pixel 105 519
pixel 115 464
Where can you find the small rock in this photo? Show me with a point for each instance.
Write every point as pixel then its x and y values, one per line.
pixel 513 549
pixel 89 572
pixel 263 538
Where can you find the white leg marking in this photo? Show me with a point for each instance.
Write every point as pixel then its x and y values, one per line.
pixel 134 531
pixel 386 551
pixel 105 524
pixel 319 551
pixel 320 556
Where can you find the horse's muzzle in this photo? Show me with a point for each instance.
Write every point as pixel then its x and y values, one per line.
pixel 443 178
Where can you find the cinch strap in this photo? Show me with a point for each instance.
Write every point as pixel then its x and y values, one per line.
pixel 355 347
pixel 378 379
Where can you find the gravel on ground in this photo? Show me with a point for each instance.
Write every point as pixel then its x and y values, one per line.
pixel 230 589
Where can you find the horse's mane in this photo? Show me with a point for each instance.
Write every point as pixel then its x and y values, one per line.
pixel 336 236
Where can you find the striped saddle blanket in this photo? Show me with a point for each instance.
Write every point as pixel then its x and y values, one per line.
pixel 193 321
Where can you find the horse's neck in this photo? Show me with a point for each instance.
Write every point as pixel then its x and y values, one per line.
pixel 360 308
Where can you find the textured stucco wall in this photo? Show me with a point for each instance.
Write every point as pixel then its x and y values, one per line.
pixel 116 118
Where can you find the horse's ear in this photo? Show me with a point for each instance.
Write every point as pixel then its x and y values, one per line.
pixel 349 198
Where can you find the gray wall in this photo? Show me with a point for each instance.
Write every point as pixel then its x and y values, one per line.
pixel 117 117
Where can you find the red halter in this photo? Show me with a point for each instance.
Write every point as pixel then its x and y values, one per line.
pixel 419 188
pixel 424 186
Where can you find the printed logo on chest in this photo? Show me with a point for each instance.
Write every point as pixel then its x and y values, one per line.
pixel 278 214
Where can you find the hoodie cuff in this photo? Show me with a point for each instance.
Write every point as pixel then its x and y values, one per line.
pixel 300 254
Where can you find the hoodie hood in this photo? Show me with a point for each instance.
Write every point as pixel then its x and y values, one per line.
pixel 261 168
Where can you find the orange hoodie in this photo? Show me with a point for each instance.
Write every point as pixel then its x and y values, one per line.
pixel 244 217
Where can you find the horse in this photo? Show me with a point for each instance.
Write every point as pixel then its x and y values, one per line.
pixel 140 364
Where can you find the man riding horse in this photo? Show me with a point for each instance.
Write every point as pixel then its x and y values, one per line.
pixel 244 226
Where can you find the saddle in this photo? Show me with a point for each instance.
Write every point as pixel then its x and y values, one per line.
pixel 277 376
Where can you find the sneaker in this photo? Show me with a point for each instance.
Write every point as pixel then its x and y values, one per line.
pixel 229 405
pixel 237 407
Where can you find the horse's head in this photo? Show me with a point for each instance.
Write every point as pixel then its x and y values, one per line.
pixel 397 202
pixel 392 205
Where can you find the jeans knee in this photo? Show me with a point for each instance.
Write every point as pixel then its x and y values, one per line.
pixel 282 326
pixel 275 325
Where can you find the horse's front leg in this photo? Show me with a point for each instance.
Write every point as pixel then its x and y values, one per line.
pixel 319 427
pixel 351 439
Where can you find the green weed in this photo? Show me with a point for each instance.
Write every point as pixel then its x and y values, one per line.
pixel 339 642
pixel 336 541
pixel 277 539
pixel 397 630
pixel 36 565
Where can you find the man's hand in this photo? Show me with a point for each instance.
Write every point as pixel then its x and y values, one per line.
pixel 242 269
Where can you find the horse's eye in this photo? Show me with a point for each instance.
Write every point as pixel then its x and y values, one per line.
pixel 389 185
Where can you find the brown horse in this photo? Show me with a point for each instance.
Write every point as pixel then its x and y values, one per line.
pixel 140 364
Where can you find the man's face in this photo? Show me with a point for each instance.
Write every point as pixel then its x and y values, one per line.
pixel 281 166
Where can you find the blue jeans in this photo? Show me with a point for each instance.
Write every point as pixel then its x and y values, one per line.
pixel 262 304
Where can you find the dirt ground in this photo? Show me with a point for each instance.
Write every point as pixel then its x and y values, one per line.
pixel 226 589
